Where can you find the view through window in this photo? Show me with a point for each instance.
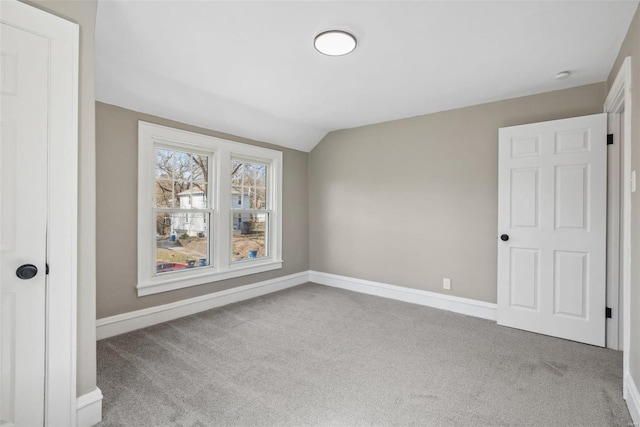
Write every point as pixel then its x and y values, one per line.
pixel 249 205
pixel 182 210
pixel 209 209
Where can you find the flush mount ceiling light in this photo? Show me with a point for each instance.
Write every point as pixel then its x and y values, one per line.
pixel 335 42
pixel 563 75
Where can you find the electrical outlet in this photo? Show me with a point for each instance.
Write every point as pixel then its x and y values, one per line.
pixel 446 283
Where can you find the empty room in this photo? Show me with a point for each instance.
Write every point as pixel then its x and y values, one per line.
pixel 319 213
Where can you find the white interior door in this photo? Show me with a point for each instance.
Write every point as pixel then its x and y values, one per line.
pixel 24 80
pixel 552 224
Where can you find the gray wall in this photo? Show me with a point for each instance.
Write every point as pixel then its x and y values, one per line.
pixel 117 200
pixel 83 13
pixel 631 47
pixel 411 201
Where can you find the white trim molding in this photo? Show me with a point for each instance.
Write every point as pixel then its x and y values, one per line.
pixel 199 278
pixel 131 321
pixel 127 322
pixel 89 409
pixel 632 396
pixel 619 102
pixel 466 306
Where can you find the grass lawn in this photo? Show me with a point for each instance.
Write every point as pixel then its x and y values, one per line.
pixel 195 248
pixel 243 243
pixel 168 255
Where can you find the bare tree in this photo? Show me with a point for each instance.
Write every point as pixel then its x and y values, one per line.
pixel 177 172
pixel 250 180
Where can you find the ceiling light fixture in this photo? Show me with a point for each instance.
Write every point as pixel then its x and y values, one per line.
pixel 563 75
pixel 335 43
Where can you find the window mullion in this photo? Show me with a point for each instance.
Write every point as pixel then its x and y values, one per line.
pixel 223 225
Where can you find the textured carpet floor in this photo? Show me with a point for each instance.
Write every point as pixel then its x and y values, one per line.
pixel 314 355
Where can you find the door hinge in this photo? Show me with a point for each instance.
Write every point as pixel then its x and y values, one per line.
pixel 608 313
pixel 46 268
pixel 610 139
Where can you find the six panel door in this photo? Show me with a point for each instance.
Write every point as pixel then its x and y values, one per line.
pixel 24 97
pixel 552 222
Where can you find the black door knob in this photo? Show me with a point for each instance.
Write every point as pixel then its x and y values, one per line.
pixel 504 237
pixel 27 271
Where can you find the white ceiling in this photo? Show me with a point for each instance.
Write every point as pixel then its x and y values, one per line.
pixel 250 68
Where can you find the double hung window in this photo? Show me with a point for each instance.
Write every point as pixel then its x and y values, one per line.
pixel 208 209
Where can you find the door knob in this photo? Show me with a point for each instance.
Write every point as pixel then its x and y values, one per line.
pixel 504 237
pixel 27 271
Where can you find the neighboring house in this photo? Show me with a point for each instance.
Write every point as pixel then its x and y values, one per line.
pixel 194 225
pixel 239 219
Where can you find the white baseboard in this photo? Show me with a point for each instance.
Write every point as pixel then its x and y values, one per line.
pixel 466 306
pixel 632 396
pixel 89 409
pixel 127 322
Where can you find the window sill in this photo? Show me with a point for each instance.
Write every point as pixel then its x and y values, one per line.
pixel 171 282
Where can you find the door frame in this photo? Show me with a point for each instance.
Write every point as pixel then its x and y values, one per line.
pixel 62 206
pixel 614 226
pixel 618 101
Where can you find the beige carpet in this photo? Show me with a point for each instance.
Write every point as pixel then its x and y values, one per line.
pixel 314 355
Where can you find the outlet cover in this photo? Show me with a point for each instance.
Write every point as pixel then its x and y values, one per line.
pixel 446 283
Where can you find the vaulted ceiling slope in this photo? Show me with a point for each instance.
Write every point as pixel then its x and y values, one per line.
pixel 250 68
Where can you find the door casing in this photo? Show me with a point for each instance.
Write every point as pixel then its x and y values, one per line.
pixel 619 102
pixel 614 227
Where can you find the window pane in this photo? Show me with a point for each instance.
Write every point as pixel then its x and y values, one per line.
pixel 180 194
pixel 182 241
pixel 200 168
pixel 237 167
pixel 248 185
pixel 164 163
pixel 236 197
pixel 249 236
pixel 181 179
pixel 194 197
pixel 165 193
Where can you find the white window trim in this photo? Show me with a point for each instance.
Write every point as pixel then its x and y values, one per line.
pixel 221 268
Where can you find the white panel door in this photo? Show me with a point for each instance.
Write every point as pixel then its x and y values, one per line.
pixel 552 225
pixel 24 92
